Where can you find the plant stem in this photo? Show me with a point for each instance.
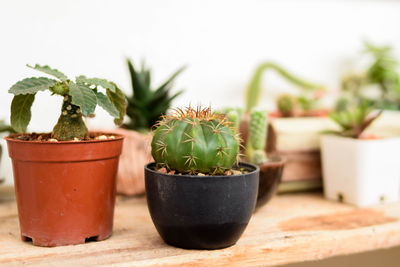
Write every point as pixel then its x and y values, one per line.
pixel 70 124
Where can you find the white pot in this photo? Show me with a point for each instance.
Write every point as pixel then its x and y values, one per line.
pixel 361 172
pixel 6 174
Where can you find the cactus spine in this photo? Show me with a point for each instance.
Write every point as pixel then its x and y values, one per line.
pixel 233 115
pixel 195 141
pixel 257 136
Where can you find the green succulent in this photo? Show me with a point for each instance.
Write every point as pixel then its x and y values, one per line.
pixel 195 141
pixel 80 98
pixel 355 120
pixel 146 106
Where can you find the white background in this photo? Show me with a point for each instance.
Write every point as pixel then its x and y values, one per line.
pixel 221 41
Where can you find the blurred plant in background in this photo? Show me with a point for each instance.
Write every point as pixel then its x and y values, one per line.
pixel 146 106
pixel 289 105
pixel 378 85
pixel 355 119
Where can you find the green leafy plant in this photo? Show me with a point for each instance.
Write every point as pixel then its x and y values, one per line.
pixel 80 98
pixel 195 141
pixel 146 106
pixel 254 89
pixel 382 72
pixel 355 120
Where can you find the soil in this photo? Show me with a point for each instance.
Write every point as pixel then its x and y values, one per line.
pixel 46 137
pixel 229 172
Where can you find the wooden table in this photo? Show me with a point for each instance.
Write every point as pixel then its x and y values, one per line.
pixel 291 228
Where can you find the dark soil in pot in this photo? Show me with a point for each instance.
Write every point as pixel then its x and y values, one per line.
pixel 65 190
pixel 270 177
pixel 201 212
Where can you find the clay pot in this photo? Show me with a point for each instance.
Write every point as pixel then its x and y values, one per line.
pixel 201 212
pixel 65 190
pixel 136 153
pixel 270 177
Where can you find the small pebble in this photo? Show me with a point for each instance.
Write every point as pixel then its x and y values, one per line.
pixel 201 174
pixel 236 172
pixel 53 140
pixel 162 170
pixel 171 172
pixel 76 139
pixel 101 137
pixel 112 137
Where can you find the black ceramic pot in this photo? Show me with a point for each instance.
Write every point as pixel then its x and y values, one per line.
pixel 201 212
pixel 270 177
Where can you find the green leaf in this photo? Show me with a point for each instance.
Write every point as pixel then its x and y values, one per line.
pixel 5 127
pixel 31 85
pixel 140 90
pixel 104 102
pixel 84 97
pixel 96 81
pixel 119 101
pixel 21 111
pixel 167 83
pixel 53 72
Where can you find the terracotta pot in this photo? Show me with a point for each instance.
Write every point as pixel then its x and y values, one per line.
pixel 136 153
pixel 270 177
pixel 201 212
pixel 65 190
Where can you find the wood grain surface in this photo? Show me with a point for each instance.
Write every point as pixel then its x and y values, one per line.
pixel 291 228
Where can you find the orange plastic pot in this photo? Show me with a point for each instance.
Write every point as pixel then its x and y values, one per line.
pixel 65 191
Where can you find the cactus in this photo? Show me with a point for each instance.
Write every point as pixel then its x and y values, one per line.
pixel 80 98
pixel 195 141
pixel 233 115
pixel 257 136
pixel 253 91
pixel 286 104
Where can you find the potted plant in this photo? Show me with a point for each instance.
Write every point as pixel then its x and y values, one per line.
pixel 65 180
pixel 4 128
pixel 271 167
pixel 145 108
pixel 294 129
pixel 378 83
pixel 358 168
pixel 198 195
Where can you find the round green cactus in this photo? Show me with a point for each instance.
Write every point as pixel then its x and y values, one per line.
pixel 286 104
pixel 195 141
pixel 257 136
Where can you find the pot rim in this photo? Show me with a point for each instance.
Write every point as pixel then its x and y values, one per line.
pixel 359 140
pixel 9 138
pixel 245 164
pixel 274 160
